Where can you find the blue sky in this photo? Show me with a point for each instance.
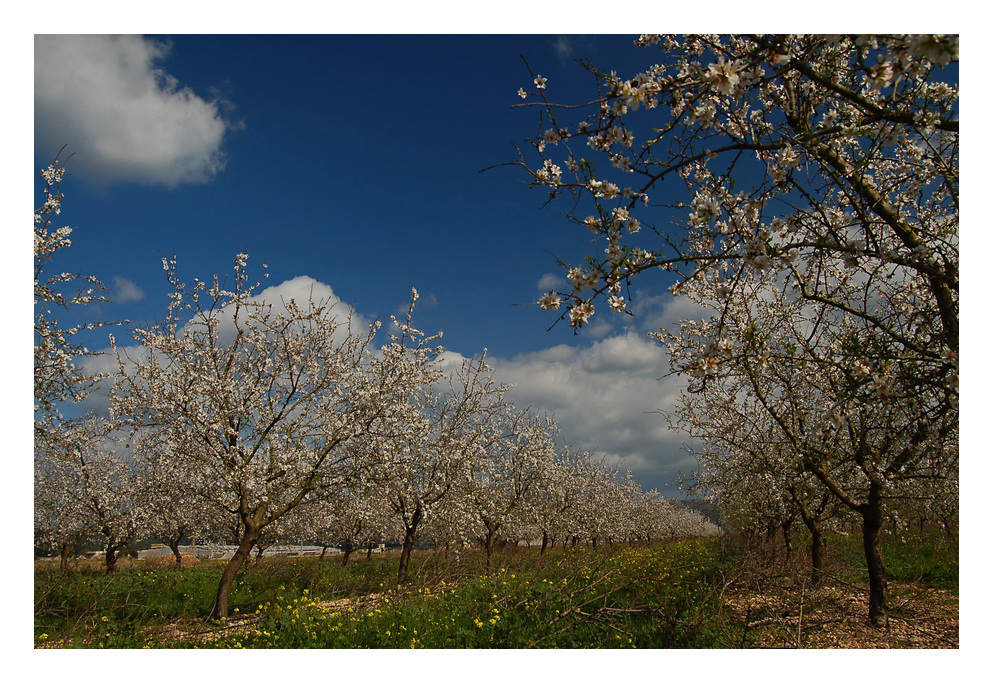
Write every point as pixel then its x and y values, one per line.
pixel 355 160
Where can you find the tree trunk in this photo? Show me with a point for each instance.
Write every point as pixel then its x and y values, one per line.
pixel 111 555
pixel 231 570
pixel 174 545
pixel 544 542
pixel 488 540
pixel 368 551
pixel 65 551
pixel 347 553
pixel 409 534
pixel 408 544
pixel 816 554
pixel 787 538
pixel 324 550
pixel 872 526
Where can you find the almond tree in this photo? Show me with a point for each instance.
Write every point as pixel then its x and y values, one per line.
pixel 595 485
pixel 444 430
pixel 57 379
pixel 553 500
pixel 503 488
pixel 178 500
pixel 60 519
pixel 751 472
pixel 789 384
pixel 260 398
pixel 829 164
pixel 354 517
pixel 83 488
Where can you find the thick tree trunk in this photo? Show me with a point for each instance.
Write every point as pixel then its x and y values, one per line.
pixel 174 546
pixel 347 553
pixel 544 542
pixel 111 556
pixel 813 524
pixel 408 545
pixel 816 554
pixel 65 552
pixel 241 555
pixel 872 527
pixel 488 542
pixel 409 534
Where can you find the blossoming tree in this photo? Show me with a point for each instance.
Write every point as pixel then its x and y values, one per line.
pixel 806 389
pixel 816 173
pixel 84 489
pixel 78 486
pixel 502 492
pixel 57 380
pixel 260 398
pixel 447 428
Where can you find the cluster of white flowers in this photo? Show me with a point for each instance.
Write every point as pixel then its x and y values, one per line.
pixel 724 76
pixel 580 314
pixel 583 279
pixel 550 301
pixel 551 174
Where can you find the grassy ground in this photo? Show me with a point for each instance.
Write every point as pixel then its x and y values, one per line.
pixel 704 593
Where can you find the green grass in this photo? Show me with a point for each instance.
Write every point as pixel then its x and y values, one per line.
pixel 658 596
pixel 578 598
pixel 930 558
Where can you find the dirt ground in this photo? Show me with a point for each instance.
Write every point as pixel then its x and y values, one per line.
pixel 834 615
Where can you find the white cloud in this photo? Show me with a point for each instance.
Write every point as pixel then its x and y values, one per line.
pixel 551 281
pixel 125 291
pixel 305 288
pixel 607 398
pixel 563 47
pixel 301 289
pixel 124 117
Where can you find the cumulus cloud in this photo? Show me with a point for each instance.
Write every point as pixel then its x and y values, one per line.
pixel 607 397
pixel 125 290
pixel 300 289
pixel 123 116
pixel 304 288
pixel 551 281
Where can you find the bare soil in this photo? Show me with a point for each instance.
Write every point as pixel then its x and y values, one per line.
pixel 781 609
